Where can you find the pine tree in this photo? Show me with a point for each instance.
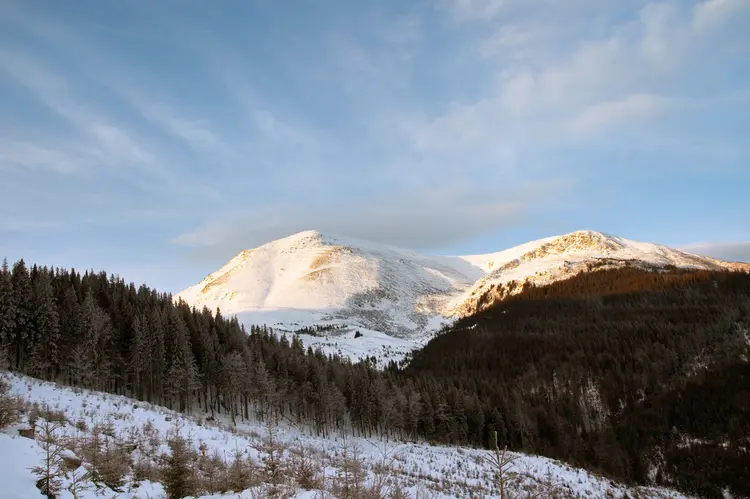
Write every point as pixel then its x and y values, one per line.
pixel 238 472
pixel 97 334
pixel 79 366
pixel 10 406
pixel 47 327
pixel 158 354
pixel 182 377
pixel 24 309
pixel 50 470
pixel 233 368
pixel 7 311
pixel 274 467
pixel 177 474
pixel 140 359
pixel 70 327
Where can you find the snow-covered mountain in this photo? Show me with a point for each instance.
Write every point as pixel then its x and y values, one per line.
pixel 552 259
pixel 309 278
pixel 395 297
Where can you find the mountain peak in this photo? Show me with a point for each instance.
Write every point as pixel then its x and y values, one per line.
pixel 302 236
pixel 310 233
pixel 582 240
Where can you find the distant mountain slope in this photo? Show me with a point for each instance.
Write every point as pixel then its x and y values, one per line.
pixel 311 279
pixel 548 260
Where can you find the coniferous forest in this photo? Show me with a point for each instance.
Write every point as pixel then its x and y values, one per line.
pixel 638 375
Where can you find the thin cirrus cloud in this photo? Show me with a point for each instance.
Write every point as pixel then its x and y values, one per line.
pixel 107 139
pixel 418 124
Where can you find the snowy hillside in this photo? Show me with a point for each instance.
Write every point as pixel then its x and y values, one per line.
pixel 417 469
pixel 548 260
pixel 309 278
pixel 395 298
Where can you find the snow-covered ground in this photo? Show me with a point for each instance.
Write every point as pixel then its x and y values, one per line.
pixel 422 470
pixel 400 297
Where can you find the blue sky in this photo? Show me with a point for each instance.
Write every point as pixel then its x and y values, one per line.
pixel 157 139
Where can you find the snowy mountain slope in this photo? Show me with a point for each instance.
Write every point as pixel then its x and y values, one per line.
pixel 399 298
pixel 548 260
pixel 422 470
pixel 492 261
pixel 316 277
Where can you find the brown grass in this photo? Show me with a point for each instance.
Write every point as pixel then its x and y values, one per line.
pixel 327 256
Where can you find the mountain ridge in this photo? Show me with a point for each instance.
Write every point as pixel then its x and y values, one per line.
pixel 310 278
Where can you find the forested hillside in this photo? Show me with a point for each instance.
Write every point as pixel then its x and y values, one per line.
pixel 641 375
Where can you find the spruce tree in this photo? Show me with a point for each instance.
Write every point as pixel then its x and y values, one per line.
pixel 70 327
pixel 177 475
pixel 140 359
pixel 158 354
pixel 46 327
pixel 7 311
pixel 97 334
pixel 24 309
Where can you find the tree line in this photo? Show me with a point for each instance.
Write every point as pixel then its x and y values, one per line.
pixel 604 370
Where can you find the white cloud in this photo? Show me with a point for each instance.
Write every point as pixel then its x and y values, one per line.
pixel 518 42
pixel 633 108
pixel 544 92
pixel 712 13
pixel 403 102
pixel 194 132
pixel 28 154
pixel 665 36
pixel 105 69
pixel 106 141
pixel 468 10
pixel 733 252
pixel 418 220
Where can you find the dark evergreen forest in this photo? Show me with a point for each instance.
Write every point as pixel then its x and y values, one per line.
pixel 631 373
pixel 627 372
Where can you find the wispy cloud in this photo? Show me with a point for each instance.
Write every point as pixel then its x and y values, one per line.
pixel 105 69
pixel 469 10
pixel 542 95
pixel 633 108
pixel 733 252
pixel 25 154
pixel 419 220
pixel 414 123
pixel 108 143
pixel 193 132
pixel 709 14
